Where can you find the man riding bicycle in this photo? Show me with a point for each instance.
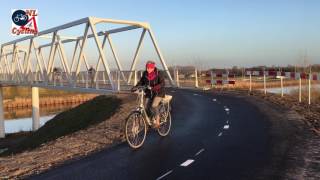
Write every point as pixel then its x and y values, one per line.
pixel 154 79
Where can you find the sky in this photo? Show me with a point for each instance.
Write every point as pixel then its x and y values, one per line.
pixel 209 33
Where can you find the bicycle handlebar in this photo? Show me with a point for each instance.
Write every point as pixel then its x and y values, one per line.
pixel 141 87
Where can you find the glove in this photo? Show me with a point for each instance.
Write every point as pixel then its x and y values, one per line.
pixel 156 88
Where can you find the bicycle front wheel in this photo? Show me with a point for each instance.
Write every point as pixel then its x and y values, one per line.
pixel 135 129
pixel 165 124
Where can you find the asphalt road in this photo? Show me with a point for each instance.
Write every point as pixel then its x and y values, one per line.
pixel 212 137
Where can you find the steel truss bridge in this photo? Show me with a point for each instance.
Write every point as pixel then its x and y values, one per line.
pixel 18 68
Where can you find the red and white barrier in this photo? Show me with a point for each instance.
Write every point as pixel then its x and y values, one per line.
pixel 220 82
pixel 221 79
pixel 254 73
pixel 316 77
pixel 289 75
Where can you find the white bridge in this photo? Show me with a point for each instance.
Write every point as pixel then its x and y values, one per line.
pixel 41 61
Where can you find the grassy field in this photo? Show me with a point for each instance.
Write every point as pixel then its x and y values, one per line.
pixel 315 95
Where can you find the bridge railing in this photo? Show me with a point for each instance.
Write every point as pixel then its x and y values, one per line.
pixel 92 81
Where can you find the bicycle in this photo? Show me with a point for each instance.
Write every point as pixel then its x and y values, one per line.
pixel 20 17
pixel 138 122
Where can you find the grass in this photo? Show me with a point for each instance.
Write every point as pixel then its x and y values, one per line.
pixel 89 113
pixel 315 94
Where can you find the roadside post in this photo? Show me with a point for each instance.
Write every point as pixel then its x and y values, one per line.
pixel 196 78
pixel 309 89
pixel 264 82
pixel 300 89
pixel 250 83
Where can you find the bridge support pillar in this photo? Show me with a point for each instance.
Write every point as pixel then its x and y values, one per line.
pixel 35 109
pixel 2 130
pixel 177 77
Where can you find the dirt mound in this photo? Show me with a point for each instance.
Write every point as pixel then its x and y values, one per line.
pixel 80 117
pixel 90 127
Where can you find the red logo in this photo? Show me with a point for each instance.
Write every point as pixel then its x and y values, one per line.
pixel 24 22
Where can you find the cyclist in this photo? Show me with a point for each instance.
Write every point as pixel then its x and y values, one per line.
pixel 154 79
pixel 91 74
pixel 57 74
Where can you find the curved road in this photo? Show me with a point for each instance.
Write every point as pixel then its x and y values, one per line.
pixel 213 137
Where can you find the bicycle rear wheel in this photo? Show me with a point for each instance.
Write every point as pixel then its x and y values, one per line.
pixel 135 129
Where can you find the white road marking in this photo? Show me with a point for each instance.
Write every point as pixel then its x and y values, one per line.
pixel 214 100
pixel 226 127
pixel 187 163
pixel 195 94
pixel 227 122
pixel 220 134
pixel 166 174
pixel 201 150
pixel 227 109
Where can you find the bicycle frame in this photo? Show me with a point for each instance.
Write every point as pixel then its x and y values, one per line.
pixel 141 107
